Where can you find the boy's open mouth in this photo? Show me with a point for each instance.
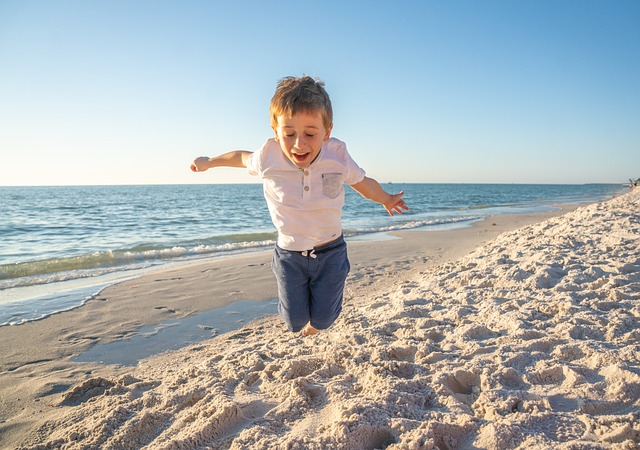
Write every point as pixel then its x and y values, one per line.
pixel 300 157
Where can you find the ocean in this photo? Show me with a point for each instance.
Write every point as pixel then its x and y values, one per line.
pixel 60 246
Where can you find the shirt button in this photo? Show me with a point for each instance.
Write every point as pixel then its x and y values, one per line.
pixel 306 188
pixel 306 172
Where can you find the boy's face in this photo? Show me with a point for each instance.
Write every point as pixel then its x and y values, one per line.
pixel 301 137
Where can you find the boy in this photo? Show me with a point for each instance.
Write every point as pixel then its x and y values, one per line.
pixel 304 171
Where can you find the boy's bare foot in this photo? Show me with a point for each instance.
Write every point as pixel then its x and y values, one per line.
pixel 308 330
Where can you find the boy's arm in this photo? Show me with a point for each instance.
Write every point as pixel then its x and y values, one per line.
pixel 236 158
pixel 371 190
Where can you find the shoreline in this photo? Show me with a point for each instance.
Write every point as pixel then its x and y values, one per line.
pixel 37 370
pixel 72 278
pixel 65 295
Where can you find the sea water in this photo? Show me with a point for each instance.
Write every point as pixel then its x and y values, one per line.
pixel 60 246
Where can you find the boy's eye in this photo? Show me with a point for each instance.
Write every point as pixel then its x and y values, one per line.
pixel 290 135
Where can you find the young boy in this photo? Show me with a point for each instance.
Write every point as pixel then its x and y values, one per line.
pixel 304 171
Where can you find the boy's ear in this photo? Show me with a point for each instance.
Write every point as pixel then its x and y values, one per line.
pixel 328 133
pixel 275 131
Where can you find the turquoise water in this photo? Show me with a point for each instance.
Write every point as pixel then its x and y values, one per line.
pixel 60 245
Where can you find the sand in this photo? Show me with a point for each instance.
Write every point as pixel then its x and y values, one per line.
pixel 519 332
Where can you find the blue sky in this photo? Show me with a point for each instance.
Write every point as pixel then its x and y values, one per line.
pixel 129 92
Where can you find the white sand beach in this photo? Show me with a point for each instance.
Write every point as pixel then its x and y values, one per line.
pixel 521 332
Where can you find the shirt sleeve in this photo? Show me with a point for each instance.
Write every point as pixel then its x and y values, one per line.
pixel 263 158
pixel 254 163
pixel 355 174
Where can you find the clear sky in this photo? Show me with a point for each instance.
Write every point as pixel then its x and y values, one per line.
pixel 130 91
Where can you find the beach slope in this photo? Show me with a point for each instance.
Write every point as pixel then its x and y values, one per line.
pixel 530 341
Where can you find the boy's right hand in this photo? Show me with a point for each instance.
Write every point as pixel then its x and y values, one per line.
pixel 200 164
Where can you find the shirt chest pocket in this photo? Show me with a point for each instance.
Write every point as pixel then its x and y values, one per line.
pixel 332 184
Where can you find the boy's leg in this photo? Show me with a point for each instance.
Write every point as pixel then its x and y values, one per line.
pixel 327 286
pixel 292 275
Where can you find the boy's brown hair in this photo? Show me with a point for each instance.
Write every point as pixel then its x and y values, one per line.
pixel 305 94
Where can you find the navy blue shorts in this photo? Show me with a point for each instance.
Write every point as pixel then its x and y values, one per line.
pixel 311 284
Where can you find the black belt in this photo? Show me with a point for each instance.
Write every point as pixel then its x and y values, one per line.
pixel 321 248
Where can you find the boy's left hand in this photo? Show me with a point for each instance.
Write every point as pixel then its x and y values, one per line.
pixel 395 204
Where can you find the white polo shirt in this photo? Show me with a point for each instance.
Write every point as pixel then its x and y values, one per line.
pixel 305 204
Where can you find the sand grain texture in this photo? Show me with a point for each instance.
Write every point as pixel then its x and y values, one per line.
pixel 530 341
